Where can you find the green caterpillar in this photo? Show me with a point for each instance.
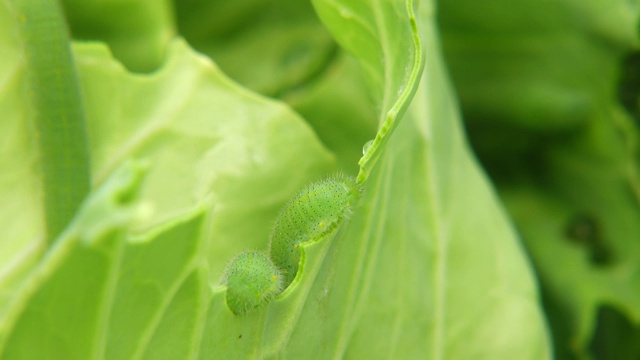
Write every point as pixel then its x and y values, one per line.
pixel 315 212
pixel 252 281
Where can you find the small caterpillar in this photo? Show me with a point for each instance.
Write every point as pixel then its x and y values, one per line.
pixel 315 212
pixel 252 281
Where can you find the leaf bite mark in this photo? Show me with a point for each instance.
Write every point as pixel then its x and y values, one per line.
pixel 315 212
pixel 252 281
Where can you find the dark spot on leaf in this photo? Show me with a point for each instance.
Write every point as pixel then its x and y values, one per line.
pixel 629 86
pixel 582 229
pixel 585 230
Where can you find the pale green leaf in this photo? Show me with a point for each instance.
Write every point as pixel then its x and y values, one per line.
pixel 385 40
pixel 63 303
pixel 203 136
pixel 428 266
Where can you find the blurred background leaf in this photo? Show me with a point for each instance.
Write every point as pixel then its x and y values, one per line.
pixel 540 87
pixel 137 32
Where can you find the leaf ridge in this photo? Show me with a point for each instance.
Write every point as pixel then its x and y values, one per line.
pixel 440 272
pixel 347 328
pixel 147 335
pixel 100 344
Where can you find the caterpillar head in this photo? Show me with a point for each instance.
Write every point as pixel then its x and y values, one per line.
pixel 252 281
